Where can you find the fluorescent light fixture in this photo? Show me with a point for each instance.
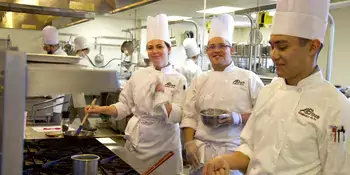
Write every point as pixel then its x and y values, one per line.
pixel 219 10
pixel 241 23
pixel 177 18
pixel 271 13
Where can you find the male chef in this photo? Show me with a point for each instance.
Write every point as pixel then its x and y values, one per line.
pixel 51 46
pixel 228 88
pixel 189 68
pixel 300 123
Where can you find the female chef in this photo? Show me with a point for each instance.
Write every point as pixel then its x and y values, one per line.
pixel 154 95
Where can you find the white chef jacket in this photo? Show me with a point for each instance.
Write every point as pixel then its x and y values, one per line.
pixel 289 130
pixel 149 133
pixel 189 69
pixel 58 109
pixel 84 61
pixel 234 90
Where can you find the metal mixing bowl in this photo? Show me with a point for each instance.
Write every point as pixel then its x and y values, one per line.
pixel 211 117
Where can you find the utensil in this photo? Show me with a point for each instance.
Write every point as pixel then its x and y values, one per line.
pixel 210 117
pixel 85 164
pixel 82 134
pixel 99 58
pixel 85 117
pixel 159 163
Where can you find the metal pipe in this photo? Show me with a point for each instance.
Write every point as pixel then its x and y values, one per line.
pixel 251 41
pixel 330 48
pixel 196 26
pixel 337 5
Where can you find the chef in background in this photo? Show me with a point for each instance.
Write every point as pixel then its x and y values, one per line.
pixel 155 96
pixel 228 88
pixel 82 50
pixel 51 46
pixel 190 68
pixel 78 101
pixel 301 122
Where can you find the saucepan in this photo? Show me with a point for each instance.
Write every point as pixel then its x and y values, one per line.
pixel 85 164
pixel 211 117
pixel 83 134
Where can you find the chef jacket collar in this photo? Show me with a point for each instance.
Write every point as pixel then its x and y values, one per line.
pixel 230 67
pixel 166 69
pixel 58 51
pixel 315 77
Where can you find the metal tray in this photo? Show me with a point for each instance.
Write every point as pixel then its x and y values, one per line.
pixel 45 58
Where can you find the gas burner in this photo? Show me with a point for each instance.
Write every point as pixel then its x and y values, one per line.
pixel 53 157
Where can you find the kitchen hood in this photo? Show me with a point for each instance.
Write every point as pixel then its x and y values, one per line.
pixel 36 14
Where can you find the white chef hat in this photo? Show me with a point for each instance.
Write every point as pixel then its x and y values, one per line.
pixel 50 35
pixel 222 26
pixel 191 47
pixel 157 28
pixel 301 18
pixel 80 43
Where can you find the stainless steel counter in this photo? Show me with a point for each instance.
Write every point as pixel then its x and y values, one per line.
pixel 116 145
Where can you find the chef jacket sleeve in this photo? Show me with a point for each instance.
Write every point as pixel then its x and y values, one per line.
pixel 178 101
pixel 190 114
pixel 335 148
pixel 246 137
pixel 255 85
pixel 126 101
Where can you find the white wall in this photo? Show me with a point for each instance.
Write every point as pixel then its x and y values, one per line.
pixel 341 62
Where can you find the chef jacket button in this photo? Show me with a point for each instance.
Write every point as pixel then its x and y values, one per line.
pixel 299 90
pixel 222 98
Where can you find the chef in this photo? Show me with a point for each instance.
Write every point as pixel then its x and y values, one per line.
pixel 82 50
pixel 155 96
pixel 78 101
pixel 51 46
pixel 190 68
pixel 228 88
pixel 300 123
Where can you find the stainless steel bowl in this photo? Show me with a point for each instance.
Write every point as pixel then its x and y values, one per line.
pixel 211 117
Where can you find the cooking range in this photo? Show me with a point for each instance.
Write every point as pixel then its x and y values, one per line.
pixel 53 157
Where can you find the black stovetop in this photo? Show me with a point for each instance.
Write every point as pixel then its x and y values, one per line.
pixel 52 157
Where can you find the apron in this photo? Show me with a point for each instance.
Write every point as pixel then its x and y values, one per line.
pixel 209 150
pixel 150 138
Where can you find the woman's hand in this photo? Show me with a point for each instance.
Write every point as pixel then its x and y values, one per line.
pixel 160 88
pixel 93 109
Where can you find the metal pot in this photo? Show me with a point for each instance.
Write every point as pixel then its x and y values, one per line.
pixel 85 164
pixel 82 135
pixel 211 117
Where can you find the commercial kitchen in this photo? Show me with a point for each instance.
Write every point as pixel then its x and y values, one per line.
pixel 32 137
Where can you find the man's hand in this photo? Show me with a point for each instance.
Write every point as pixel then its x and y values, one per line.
pixel 192 154
pixel 217 166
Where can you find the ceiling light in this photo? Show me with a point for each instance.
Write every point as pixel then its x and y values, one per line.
pixel 241 23
pixel 219 10
pixel 177 18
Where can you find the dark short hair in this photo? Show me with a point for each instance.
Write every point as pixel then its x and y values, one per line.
pixel 167 45
pixel 304 41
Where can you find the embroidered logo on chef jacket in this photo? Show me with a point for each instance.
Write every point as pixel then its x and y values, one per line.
pixel 309 113
pixel 169 85
pixel 238 82
pixel 338 133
